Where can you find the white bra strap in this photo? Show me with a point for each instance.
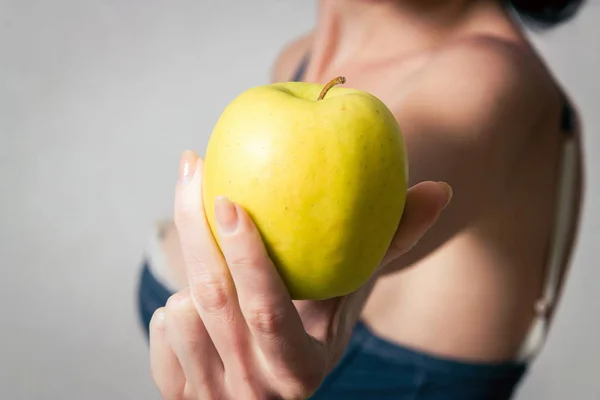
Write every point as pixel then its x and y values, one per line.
pixel 559 246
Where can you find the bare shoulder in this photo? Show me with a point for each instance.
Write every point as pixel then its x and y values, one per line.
pixel 289 58
pixel 484 85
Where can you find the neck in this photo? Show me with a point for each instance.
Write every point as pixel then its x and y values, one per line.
pixel 371 29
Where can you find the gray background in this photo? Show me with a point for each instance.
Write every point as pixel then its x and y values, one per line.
pixel 97 99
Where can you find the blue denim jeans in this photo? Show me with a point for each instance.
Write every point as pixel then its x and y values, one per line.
pixel 375 369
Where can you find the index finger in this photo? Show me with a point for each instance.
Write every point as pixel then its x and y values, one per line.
pixel 210 283
pixel 292 356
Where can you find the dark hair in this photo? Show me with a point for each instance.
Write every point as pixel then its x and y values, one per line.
pixel 546 13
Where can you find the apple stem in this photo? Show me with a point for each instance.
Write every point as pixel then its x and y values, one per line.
pixel 337 81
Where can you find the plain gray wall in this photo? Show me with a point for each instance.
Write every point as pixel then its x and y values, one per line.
pixel 97 100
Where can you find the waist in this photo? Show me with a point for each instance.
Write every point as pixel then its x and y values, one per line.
pixel 465 317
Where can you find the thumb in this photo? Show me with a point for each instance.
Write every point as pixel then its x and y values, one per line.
pixel 424 204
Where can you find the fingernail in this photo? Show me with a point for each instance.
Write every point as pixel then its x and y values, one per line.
pixel 187 165
pixel 226 215
pixel 449 190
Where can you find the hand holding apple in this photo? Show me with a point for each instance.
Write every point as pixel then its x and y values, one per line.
pixel 235 333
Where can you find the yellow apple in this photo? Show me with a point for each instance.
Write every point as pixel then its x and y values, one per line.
pixel 322 171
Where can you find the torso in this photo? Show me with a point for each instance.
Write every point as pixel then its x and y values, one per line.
pixel 452 303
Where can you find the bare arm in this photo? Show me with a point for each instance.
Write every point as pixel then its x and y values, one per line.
pixel 471 121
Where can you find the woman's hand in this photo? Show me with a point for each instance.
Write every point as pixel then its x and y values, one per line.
pixel 234 333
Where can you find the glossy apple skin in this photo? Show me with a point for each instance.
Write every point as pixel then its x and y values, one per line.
pixel 325 181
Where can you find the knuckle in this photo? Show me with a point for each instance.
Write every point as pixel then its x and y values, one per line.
pixel 245 387
pixel 211 292
pixel 187 323
pixel 302 387
pixel 179 302
pixel 186 219
pixel 178 307
pixel 183 214
pixel 302 382
pixel 249 259
pixel 404 244
pixel 265 318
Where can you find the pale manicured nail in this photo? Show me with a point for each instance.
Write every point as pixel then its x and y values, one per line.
pixel 187 165
pixel 449 190
pixel 226 214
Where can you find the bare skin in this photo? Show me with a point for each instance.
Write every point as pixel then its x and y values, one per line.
pixel 478 110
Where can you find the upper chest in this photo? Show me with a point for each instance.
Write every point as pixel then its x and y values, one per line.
pixel 391 80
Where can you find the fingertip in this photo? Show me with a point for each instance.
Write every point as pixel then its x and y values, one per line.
pixel 424 205
pixel 188 193
pixel 189 155
pixel 448 193
pixel 158 319
pixel 199 165
pixel 187 166
pixel 429 197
